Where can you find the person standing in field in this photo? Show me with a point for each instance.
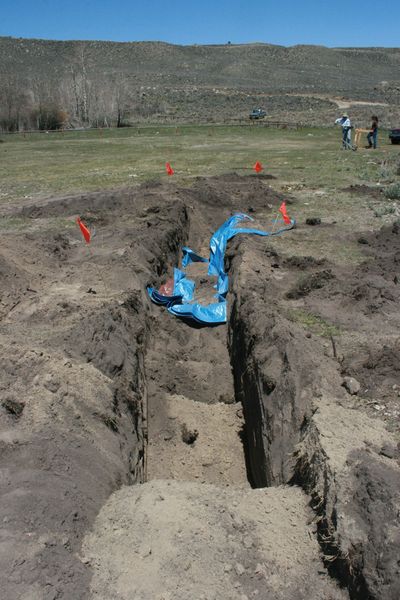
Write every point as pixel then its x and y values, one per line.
pixel 344 122
pixel 372 137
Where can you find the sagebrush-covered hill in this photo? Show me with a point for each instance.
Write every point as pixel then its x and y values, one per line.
pixel 160 81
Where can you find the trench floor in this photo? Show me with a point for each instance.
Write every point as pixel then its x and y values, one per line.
pixel 194 424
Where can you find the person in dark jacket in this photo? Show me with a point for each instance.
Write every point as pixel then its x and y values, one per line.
pixel 373 134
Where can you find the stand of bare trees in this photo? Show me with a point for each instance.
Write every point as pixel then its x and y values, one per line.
pixel 80 97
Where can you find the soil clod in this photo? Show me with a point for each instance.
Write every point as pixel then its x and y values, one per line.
pixel 189 436
pixel 313 221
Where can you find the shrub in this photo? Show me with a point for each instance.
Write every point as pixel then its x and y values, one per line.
pixel 393 191
pixel 50 118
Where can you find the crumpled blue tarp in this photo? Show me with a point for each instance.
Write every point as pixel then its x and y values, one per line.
pixel 182 301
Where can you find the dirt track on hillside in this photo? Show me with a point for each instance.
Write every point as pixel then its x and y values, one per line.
pixel 101 390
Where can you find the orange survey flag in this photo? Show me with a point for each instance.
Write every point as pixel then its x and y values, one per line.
pixel 85 231
pixel 169 169
pixel 282 210
pixel 258 167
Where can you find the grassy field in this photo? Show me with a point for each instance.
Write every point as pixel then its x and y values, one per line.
pixel 59 163
pixel 307 163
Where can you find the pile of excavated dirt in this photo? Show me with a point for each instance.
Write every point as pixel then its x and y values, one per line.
pixel 134 444
pixel 74 326
pixel 362 304
pixel 365 190
pixel 175 540
pixel 306 429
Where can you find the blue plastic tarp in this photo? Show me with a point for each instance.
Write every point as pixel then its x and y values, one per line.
pixel 190 256
pixel 182 301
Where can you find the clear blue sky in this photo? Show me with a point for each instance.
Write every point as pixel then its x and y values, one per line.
pixel 286 22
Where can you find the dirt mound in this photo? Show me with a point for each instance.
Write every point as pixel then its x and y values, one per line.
pixel 373 286
pixel 364 190
pixel 378 368
pixel 376 485
pixel 307 283
pixel 384 249
pixel 298 425
pixel 235 192
pixel 205 542
pixel 72 380
pixel 359 306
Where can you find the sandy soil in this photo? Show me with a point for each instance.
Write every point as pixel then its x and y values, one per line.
pixel 206 542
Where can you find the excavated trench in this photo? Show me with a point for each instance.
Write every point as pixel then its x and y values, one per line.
pixel 199 416
pixel 234 391
pixel 195 423
pixel 203 408
pixel 222 406
pixel 229 405
pixel 255 391
pixel 206 420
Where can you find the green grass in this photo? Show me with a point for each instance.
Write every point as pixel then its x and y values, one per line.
pixel 313 323
pixel 43 164
pixel 14 224
pixel 307 163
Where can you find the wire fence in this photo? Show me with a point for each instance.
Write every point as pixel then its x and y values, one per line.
pixel 139 126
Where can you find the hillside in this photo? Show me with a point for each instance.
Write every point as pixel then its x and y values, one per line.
pixel 104 82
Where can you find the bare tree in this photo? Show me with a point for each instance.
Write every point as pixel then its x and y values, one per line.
pixel 121 98
pixel 80 95
pixel 81 85
pixel 14 102
pixel 48 104
pixel 101 103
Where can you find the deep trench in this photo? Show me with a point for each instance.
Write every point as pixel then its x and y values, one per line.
pixel 256 391
pixel 250 449
pixel 234 383
pixel 263 453
pixel 129 341
pixel 195 425
pixel 213 366
pixel 193 392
